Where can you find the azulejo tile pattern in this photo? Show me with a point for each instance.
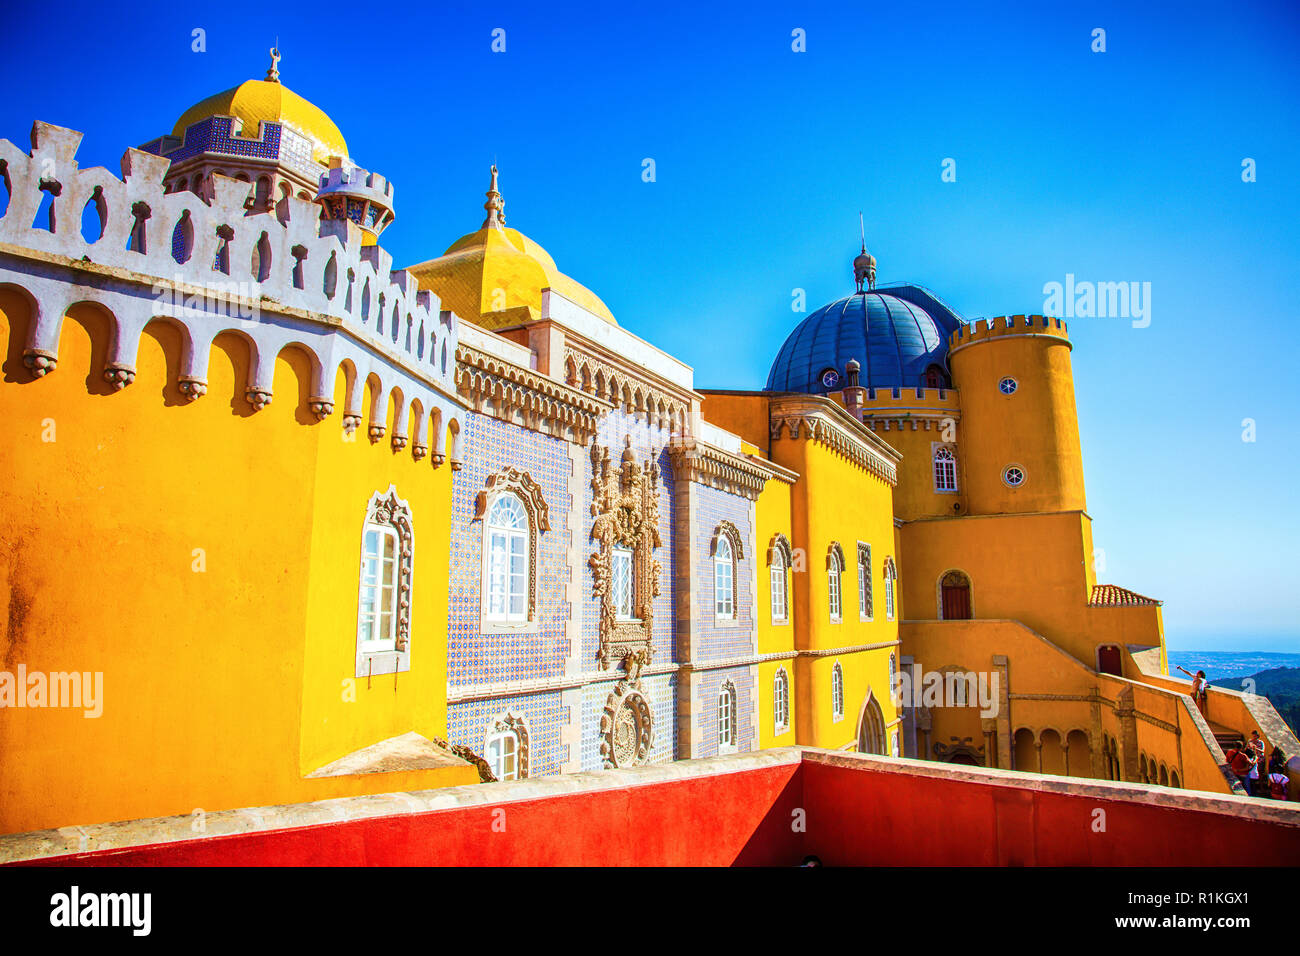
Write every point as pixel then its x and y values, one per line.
pixel 709 690
pixel 473 657
pixel 544 715
pixel 722 640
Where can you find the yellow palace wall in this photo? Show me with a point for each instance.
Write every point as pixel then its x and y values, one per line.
pixel 176 548
pixel 772 517
pixel 836 500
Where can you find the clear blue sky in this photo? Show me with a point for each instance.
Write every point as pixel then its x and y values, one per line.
pixel 1124 165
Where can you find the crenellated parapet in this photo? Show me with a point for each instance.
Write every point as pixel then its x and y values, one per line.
pixel 275 278
pixel 1006 326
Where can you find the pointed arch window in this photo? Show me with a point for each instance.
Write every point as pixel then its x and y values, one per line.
pixel 864 582
pixel 945 469
pixel 384 591
pixel 781 701
pixel 779 563
pixel 834 574
pixel 727 713
pixel 837 692
pixel 891 576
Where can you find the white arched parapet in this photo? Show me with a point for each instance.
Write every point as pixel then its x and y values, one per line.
pixel 270 313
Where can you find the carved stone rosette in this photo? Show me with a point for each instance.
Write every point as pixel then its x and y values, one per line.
pixel 625 505
pixel 626 726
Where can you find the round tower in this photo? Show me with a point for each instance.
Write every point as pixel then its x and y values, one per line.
pixel 1019 426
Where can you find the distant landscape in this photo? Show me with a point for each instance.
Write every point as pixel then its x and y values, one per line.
pixel 1275 675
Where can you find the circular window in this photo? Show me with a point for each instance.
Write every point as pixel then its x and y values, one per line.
pixel 1008 385
pixel 830 378
pixel 1013 475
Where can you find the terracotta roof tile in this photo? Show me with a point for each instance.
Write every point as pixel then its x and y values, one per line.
pixel 1112 595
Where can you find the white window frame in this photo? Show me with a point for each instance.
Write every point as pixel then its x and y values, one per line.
pixel 781 702
pixel 387 642
pixel 837 693
pixel 388 518
pixel 623 611
pixel 509 537
pixel 866 605
pixel 727 713
pixel 944 469
pixel 496 761
pixel 890 574
pixel 780 590
pixel 724 591
pixel 834 595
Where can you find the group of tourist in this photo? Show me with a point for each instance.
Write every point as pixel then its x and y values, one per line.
pixel 1260 777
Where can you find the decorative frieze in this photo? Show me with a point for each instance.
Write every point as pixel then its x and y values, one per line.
pixel 492 386
pixel 704 464
pixel 812 418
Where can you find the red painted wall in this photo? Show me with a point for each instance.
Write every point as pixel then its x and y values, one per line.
pixel 855 815
pixel 865 817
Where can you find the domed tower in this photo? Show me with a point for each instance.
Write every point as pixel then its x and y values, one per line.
pixel 259 131
pixel 1019 423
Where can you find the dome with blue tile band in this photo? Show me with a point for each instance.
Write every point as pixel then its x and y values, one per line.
pixel 897 335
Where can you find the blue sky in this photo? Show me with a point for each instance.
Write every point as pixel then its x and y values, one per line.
pixel 1115 166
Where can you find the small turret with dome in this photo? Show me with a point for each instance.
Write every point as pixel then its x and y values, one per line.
pixel 898 334
pixel 495 276
pixel 266 134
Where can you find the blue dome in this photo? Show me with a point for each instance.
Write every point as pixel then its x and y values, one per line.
pixel 895 341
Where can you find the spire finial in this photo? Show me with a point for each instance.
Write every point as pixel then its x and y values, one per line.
pixel 864 266
pixel 273 74
pixel 495 205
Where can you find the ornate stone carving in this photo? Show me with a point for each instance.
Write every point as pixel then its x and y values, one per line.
pixel 521 484
pixel 399 442
pixel 625 504
pixel 351 423
pixel 510 723
pixel 626 726
pixel 322 408
pixel 192 388
pixel 40 361
pixel 388 509
pixel 259 398
pixel 418 451
pixel 119 376
pixel 376 433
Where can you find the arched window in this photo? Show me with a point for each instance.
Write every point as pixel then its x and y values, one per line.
pixel 779 559
pixel 935 377
pixel 781 701
pixel 945 469
pixel 891 574
pixel 506 747
pixel 727 718
pixel 954 596
pixel 507 559
pixel 514 515
pixel 834 572
pixel 837 692
pixel 724 578
pixel 727 550
pixel 864 582
pixel 384 594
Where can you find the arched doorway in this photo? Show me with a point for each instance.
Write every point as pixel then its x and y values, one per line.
pixel 1109 660
pixel 954 596
pixel 871 728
